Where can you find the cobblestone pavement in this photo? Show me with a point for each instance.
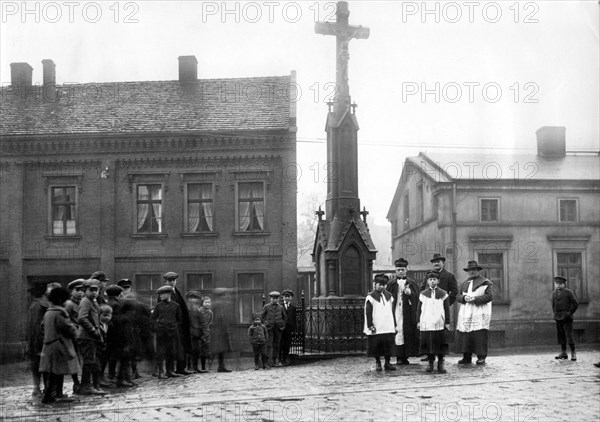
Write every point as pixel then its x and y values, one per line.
pixel 528 386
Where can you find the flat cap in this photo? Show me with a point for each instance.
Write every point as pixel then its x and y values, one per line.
pixel 124 283
pixel 164 289
pixel 92 282
pixel 274 293
pixel 287 292
pixel 170 275
pixel 76 283
pixel 113 290
pixel 100 276
pixel 401 263
pixel 433 274
pixel 560 279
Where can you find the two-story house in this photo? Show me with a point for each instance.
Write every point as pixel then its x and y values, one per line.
pixel 524 218
pixel 195 176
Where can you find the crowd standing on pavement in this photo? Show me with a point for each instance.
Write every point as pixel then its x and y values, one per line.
pixel 102 331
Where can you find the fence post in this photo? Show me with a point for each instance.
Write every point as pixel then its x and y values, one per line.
pixel 303 319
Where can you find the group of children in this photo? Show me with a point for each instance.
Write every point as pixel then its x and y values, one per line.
pixel 83 330
pixel 91 327
pixel 271 331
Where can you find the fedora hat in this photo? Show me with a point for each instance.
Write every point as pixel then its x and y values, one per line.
pixel 437 257
pixel 473 265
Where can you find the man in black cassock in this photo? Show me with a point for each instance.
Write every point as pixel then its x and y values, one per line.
pixel 406 299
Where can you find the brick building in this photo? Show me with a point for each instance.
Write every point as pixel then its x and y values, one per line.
pixel 524 218
pixel 196 176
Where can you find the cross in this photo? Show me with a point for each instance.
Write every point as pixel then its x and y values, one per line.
pixel 343 33
pixel 364 214
pixel 320 213
pixel 353 106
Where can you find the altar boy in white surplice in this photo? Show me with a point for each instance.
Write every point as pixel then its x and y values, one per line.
pixel 379 323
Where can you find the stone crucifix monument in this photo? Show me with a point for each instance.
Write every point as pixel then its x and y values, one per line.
pixel 343 251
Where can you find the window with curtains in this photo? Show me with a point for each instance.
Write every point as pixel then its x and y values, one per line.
pixel 63 206
pixel 149 208
pixel 250 297
pixel 199 211
pixel 251 206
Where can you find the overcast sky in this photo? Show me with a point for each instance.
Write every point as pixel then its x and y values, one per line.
pixel 500 70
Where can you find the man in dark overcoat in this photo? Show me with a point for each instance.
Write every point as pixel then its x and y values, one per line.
pixel 290 326
pixel 406 299
pixel 447 279
pixel 184 343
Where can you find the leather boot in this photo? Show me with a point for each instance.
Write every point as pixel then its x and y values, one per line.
pixel 573 355
pixel 429 366
pixel 562 354
pixel 378 366
pixel 440 365
pixel 388 366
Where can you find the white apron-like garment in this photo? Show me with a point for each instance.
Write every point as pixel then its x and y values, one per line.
pixel 473 317
pixel 383 317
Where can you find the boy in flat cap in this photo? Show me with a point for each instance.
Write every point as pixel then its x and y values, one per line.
pixel 102 279
pixel 184 339
pixel 72 308
pixel 564 306
pixel 434 322
pixel 258 335
pixel 167 320
pixel 406 300
pixel 274 319
pixel 290 326
pixel 89 337
pixel 379 323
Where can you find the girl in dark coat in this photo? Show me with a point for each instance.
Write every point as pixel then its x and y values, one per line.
pixel 35 334
pixel 58 356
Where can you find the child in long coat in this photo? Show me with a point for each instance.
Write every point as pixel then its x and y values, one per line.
pixel 58 356
pixel 379 325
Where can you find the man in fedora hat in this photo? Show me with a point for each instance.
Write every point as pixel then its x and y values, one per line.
pixel 405 292
pixel 473 322
pixel 290 326
pixel 447 279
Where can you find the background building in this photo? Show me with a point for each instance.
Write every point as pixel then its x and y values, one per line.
pixel 524 218
pixel 139 178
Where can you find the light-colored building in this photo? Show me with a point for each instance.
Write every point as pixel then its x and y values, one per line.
pixel 524 218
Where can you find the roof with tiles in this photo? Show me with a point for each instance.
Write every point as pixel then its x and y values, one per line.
pixel 448 167
pixel 241 104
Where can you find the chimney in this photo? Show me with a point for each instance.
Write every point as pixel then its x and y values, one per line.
pixel 188 69
pixel 49 80
pixel 551 141
pixel 20 75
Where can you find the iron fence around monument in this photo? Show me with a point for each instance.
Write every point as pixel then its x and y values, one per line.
pixel 324 328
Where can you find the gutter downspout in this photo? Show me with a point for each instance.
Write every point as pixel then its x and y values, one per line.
pixel 454 248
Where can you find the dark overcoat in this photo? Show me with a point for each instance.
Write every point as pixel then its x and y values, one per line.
pixel 58 353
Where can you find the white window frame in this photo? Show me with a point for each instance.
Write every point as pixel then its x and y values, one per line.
pixel 576 200
pixel 497 220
